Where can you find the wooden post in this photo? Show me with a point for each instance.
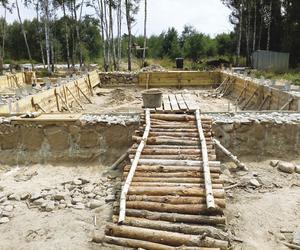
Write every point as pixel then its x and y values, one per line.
pixel 76 100
pixel 147 80
pixel 263 102
pixel 90 85
pixel 287 103
pixel 56 98
pixel 80 90
pixel 210 202
pixel 237 162
pixel 250 98
pixel 130 175
pixel 63 101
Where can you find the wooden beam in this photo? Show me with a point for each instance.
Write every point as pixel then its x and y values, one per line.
pixel 287 103
pixel 250 98
pixel 134 165
pixel 80 90
pixel 74 97
pixel 210 202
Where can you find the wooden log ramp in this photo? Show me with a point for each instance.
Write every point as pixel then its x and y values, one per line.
pixel 172 196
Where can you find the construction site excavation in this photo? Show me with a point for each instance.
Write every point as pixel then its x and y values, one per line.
pixel 86 164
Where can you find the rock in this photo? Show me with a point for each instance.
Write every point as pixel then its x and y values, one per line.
pixel 254 182
pixel 50 206
pixel 14 197
pixel 286 167
pixel 24 196
pixel 7 214
pixel 79 206
pixel 274 163
pixel 77 199
pixel 39 202
pixel 296 237
pixel 88 189
pixel 60 196
pixel 35 196
pixel 110 198
pixel 91 195
pixel 96 203
pixel 84 181
pixel 62 206
pixel 77 182
pixel 3 199
pixel 297 169
pixel 4 220
pixel 8 208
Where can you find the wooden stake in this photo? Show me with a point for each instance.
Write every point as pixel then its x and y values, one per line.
pixel 56 98
pixel 287 103
pixel 63 101
pixel 80 90
pixel 250 98
pixel 263 102
pixel 134 165
pixel 74 97
pixel 237 162
pixel 208 185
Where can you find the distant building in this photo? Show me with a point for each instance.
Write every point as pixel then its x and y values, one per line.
pixel 270 60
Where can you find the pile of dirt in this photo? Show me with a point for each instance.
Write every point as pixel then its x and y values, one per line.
pixel 153 68
pixel 118 96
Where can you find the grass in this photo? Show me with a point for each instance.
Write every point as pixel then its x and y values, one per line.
pixel 292 75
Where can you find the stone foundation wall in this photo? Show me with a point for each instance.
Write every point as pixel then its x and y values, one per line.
pixel 80 141
pixel 118 78
pixel 259 135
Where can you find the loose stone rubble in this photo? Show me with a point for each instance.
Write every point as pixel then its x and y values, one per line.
pixel 76 194
pixel 110 119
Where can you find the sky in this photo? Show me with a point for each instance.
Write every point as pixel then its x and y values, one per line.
pixel 207 16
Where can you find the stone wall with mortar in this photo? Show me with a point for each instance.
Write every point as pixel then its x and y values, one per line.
pixel 85 140
pixel 259 135
pixel 118 78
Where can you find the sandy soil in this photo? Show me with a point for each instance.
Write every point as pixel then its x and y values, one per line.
pixel 67 228
pixel 129 99
pixel 257 215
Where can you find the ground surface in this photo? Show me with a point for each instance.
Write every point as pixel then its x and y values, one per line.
pixel 129 99
pixel 255 214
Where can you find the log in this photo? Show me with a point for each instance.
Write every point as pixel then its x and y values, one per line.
pixel 119 161
pixel 168 179
pixel 139 244
pixel 174 199
pixel 176 227
pixel 158 191
pixel 175 157
pixel 173 117
pixel 163 237
pixel 167 151
pixel 173 134
pixel 179 218
pixel 193 174
pixel 178 147
pixel 166 169
pixel 160 184
pixel 177 163
pixel 154 140
pixel 207 176
pixel 195 209
pixel 135 162
pixel 234 158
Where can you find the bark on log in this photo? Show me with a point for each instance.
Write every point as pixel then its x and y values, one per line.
pixel 175 157
pixel 207 175
pixel 166 169
pixel 171 141
pixel 157 191
pixel 195 209
pixel 135 162
pixel 173 217
pixel 139 244
pixel 174 200
pixel 160 184
pixel 192 174
pixel 169 151
pixel 177 163
pixel 176 227
pixel 173 180
pixel 163 237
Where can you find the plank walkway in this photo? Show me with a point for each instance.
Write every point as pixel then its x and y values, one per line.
pixel 166 204
pixel 179 102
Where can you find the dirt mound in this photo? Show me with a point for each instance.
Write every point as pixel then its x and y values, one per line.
pixel 153 68
pixel 118 96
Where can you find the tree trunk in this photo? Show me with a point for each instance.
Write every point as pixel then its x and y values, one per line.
pixel 238 48
pixel 269 27
pixel 39 34
pixel 77 31
pixel 112 40
pixel 47 34
pixel 66 34
pixel 129 23
pixel 119 24
pixel 24 33
pixel 145 35
pixel 254 26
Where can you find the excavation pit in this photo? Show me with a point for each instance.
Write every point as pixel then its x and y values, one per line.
pixel 57 151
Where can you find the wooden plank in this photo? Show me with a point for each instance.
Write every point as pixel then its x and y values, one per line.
pixel 166 103
pixel 181 102
pixel 173 102
pixel 190 101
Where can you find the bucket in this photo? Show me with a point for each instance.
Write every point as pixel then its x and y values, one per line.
pixel 152 98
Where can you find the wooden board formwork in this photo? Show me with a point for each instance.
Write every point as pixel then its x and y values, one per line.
pixel 178 79
pixel 47 99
